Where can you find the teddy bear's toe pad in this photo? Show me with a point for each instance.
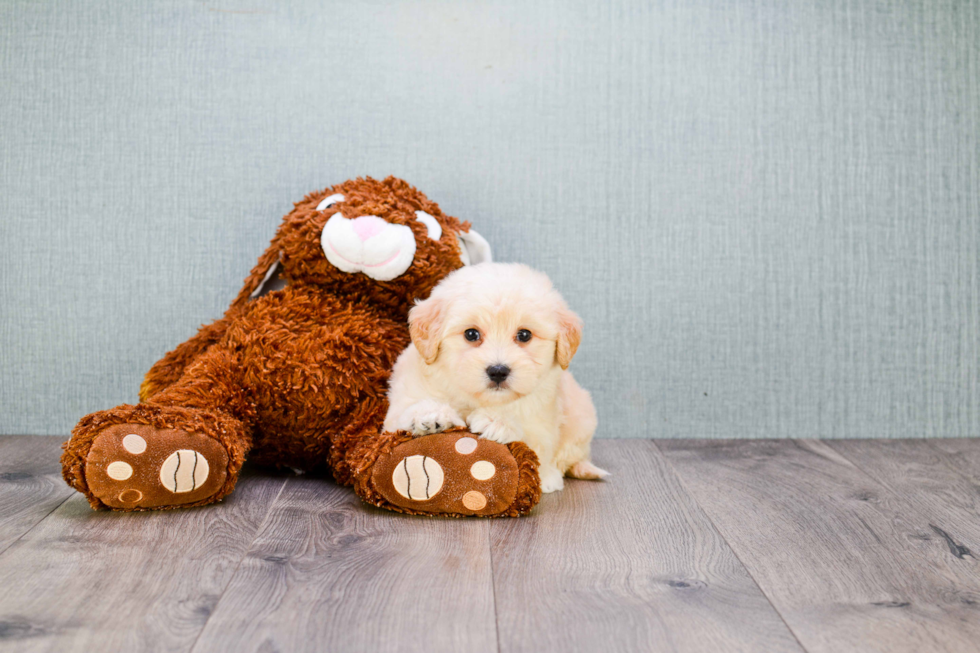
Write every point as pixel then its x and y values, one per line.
pixel 448 473
pixel 135 466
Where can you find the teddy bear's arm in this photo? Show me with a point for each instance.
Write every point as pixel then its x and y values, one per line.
pixel 166 371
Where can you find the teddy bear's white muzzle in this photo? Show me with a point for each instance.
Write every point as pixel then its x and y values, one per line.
pixel 369 245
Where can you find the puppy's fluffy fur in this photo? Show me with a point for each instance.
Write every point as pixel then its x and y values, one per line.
pixel 444 378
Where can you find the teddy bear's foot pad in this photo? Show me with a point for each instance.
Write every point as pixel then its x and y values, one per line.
pixel 135 466
pixel 453 473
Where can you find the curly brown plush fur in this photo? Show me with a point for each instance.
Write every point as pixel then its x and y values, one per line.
pixel 296 377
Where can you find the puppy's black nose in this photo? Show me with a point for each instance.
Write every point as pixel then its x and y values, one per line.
pixel 498 373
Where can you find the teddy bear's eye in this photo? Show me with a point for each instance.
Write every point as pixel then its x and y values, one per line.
pixel 327 202
pixel 435 230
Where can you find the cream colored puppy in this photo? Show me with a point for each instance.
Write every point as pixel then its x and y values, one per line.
pixel 490 351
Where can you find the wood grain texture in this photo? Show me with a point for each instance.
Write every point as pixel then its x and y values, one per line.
pixel 961 454
pixel 849 564
pixel 690 546
pixel 943 486
pixel 630 564
pixel 328 573
pixel 30 484
pixel 84 580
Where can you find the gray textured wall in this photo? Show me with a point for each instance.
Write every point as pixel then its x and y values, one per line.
pixel 767 212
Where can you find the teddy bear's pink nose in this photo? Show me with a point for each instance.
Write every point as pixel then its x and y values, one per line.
pixel 367 226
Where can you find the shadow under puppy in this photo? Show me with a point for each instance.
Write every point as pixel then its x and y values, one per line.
pixel 490 351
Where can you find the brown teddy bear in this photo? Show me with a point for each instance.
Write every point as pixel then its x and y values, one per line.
pixel 295 375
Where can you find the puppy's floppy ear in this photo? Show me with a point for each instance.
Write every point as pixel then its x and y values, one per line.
pixel 425 327
pixel 569 336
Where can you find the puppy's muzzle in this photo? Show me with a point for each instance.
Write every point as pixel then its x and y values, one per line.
pixel 498 373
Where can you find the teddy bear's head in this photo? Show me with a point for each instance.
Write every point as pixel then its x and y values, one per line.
pixel 378 239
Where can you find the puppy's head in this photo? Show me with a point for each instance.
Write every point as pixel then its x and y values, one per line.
pixel 495 330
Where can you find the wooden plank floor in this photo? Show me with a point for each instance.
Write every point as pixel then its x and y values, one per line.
pixel 757 545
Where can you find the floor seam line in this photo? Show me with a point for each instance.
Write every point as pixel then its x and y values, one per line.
pixel 707 515
pixel 901 495
pixel 866 472
pixel 265 519
pixel 493 584
pixel 35 525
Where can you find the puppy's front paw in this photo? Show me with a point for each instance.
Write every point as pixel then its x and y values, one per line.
pixel 491 429
pixel 428 417
pixel 551 479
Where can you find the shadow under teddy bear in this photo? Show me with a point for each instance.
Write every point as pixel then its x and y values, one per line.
pixel 295 374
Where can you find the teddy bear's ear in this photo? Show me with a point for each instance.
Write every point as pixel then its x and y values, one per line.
pixel 264 277
pixel 272 281
pixel 473 248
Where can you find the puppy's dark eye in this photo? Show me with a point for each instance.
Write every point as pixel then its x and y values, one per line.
pixel 471 334
pixel 523 335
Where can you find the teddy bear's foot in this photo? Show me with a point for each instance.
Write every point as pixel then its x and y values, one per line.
pixel 138 467
pixel 457 473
